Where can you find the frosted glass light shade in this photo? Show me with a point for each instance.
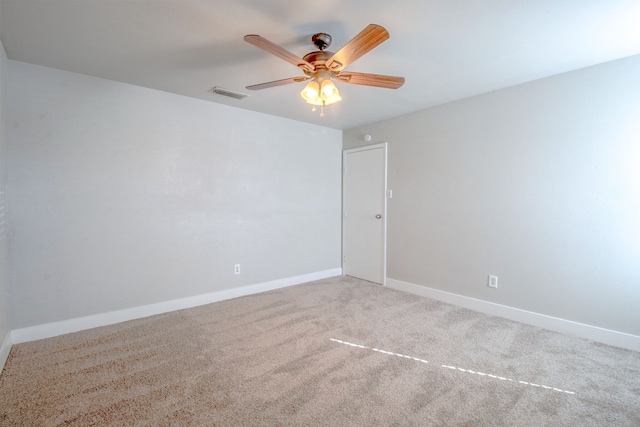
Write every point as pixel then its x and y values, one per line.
pixel 321 94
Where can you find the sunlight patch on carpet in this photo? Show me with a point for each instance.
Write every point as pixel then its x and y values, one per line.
pixel 454 368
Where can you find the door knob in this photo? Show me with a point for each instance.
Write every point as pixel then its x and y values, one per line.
pixel 378 216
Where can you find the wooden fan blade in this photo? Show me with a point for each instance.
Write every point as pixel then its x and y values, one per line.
pixel 278 51
pixel 278 83
pixel 362 43
pixel 377 80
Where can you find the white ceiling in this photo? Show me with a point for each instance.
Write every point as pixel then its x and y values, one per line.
pixel 446 49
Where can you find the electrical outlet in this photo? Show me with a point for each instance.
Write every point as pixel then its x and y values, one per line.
pixel 493 281
pixel 236 269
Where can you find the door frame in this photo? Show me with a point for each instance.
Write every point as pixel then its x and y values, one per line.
pixel 345 153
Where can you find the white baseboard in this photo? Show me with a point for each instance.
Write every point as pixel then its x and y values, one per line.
pixel 4 350
pixel 49 330
pixel 594 333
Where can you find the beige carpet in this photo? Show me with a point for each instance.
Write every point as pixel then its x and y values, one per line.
pixel 334 352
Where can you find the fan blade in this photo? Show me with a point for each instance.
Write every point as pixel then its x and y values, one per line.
pixel 362 43
pixel 377 80
pixel 278 83
pixel 278 51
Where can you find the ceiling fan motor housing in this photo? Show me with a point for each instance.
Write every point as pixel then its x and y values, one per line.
pixel 318 59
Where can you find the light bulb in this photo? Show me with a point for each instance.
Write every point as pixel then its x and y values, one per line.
pixel 328 89
pixel 310 92
pixel 329 92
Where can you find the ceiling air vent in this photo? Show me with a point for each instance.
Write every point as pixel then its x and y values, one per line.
pixel 226 92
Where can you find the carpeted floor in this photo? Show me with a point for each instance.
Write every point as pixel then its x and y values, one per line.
pixel 335 352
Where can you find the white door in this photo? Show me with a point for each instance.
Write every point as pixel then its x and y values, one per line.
pixel 364 213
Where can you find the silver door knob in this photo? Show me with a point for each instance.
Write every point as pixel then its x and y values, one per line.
pixel 378 216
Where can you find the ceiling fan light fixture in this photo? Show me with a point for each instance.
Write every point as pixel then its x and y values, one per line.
pixel 324 93
pixel 329 92
pixel 311 92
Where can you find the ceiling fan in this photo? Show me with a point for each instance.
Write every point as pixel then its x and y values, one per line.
pixel 322 66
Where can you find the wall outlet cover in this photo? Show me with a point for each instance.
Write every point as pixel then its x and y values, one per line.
pixel 493 281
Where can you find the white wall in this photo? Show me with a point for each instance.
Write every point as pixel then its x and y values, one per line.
pixel 125 196
pixel 5 326
pixel 538 184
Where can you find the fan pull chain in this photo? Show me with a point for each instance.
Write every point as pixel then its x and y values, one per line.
pixel 313 108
